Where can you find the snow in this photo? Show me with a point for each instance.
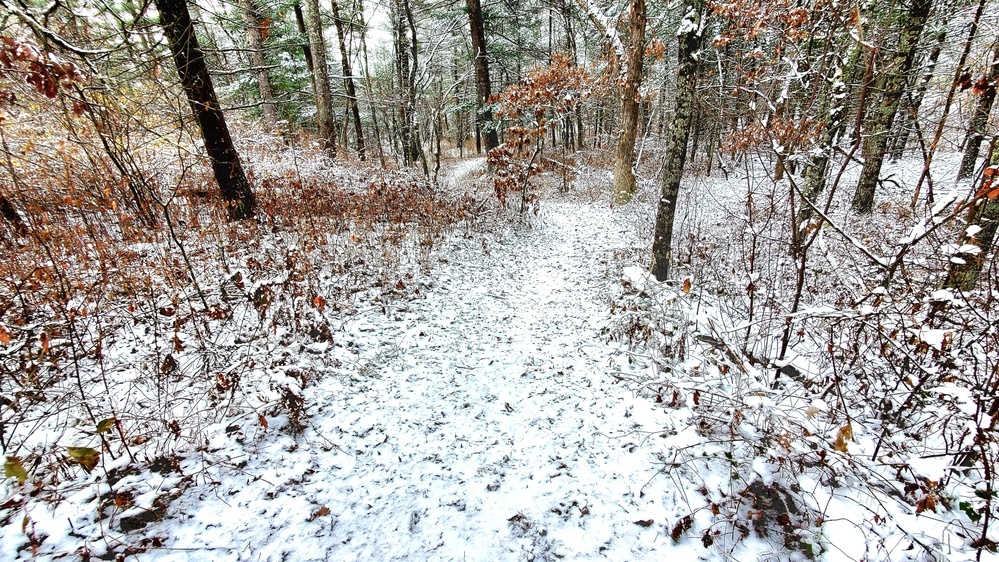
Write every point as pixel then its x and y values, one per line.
pixel 477 423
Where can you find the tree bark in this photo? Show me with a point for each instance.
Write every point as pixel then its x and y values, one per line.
pixel 624 162
pixel 834 115
pixel 689 39
pixel 255 40
pixel 194 77
pixel 483 88
pixel 893 81
pixel 980 118
pixel 321 79
pixel 907 118
pixel 348 81
pixel 406 68
pixel 984 213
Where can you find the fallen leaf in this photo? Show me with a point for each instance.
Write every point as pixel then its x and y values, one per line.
pixel 263 421
pixel 644 522
pixel 104 426
pixel 321 512
pixel 87 457
pixel 4 336
pixel 844 434
pixel 686 285
pixel 14 469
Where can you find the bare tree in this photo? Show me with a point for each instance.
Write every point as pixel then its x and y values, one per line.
pixel 348 81
pixel 979 237
pixel 892 82
pixel 321 79
pixel 987 93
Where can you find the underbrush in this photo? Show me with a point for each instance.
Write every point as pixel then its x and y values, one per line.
pixel 837 402
pixel 139 327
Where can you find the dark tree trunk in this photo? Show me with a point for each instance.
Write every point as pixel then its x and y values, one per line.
pixel 676 149
pixel 834 115
pixel 624 162
pixel 179 31
pixel 348 81
pixel 483 87
pixel 893 81
pixel 406 68
pixel 980 118
pixel 11 215
pixel 306 50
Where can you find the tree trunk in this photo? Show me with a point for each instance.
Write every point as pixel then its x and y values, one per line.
pixel 176 22
pixel 348 81
pixel 255 40
pixel 984 213
pixel 907 119
pixel 367 83
pixel 483 90
pixel 624 162
pixel 834 115
pixel 893 81
pixel 980 118
pixel 676 150
pixel 321 80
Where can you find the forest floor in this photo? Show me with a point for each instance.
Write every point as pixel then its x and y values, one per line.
pixel 489 409
pixel 477 423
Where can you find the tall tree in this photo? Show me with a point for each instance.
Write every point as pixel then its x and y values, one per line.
pixel 348 81
pixel 176 22
pixel 624 162
pixel 483 88
pixel 689 38
pixel 986 88
pixel 906 121
pixel 893 79
pixel 255 40
pixel 407 66
pixel 321 79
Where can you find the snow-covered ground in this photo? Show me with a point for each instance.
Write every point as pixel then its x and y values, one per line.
pixel 479 423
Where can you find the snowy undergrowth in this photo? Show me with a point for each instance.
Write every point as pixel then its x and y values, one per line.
pixel 854 423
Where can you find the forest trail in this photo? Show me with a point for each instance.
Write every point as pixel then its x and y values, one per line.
pixel 478 423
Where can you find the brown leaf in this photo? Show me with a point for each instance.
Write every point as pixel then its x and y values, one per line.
pixel 321 512
pixel 4 336
pixel 262 420
pixel 844 434
pixel 644 522
pixel 681 527
pixel 686 285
